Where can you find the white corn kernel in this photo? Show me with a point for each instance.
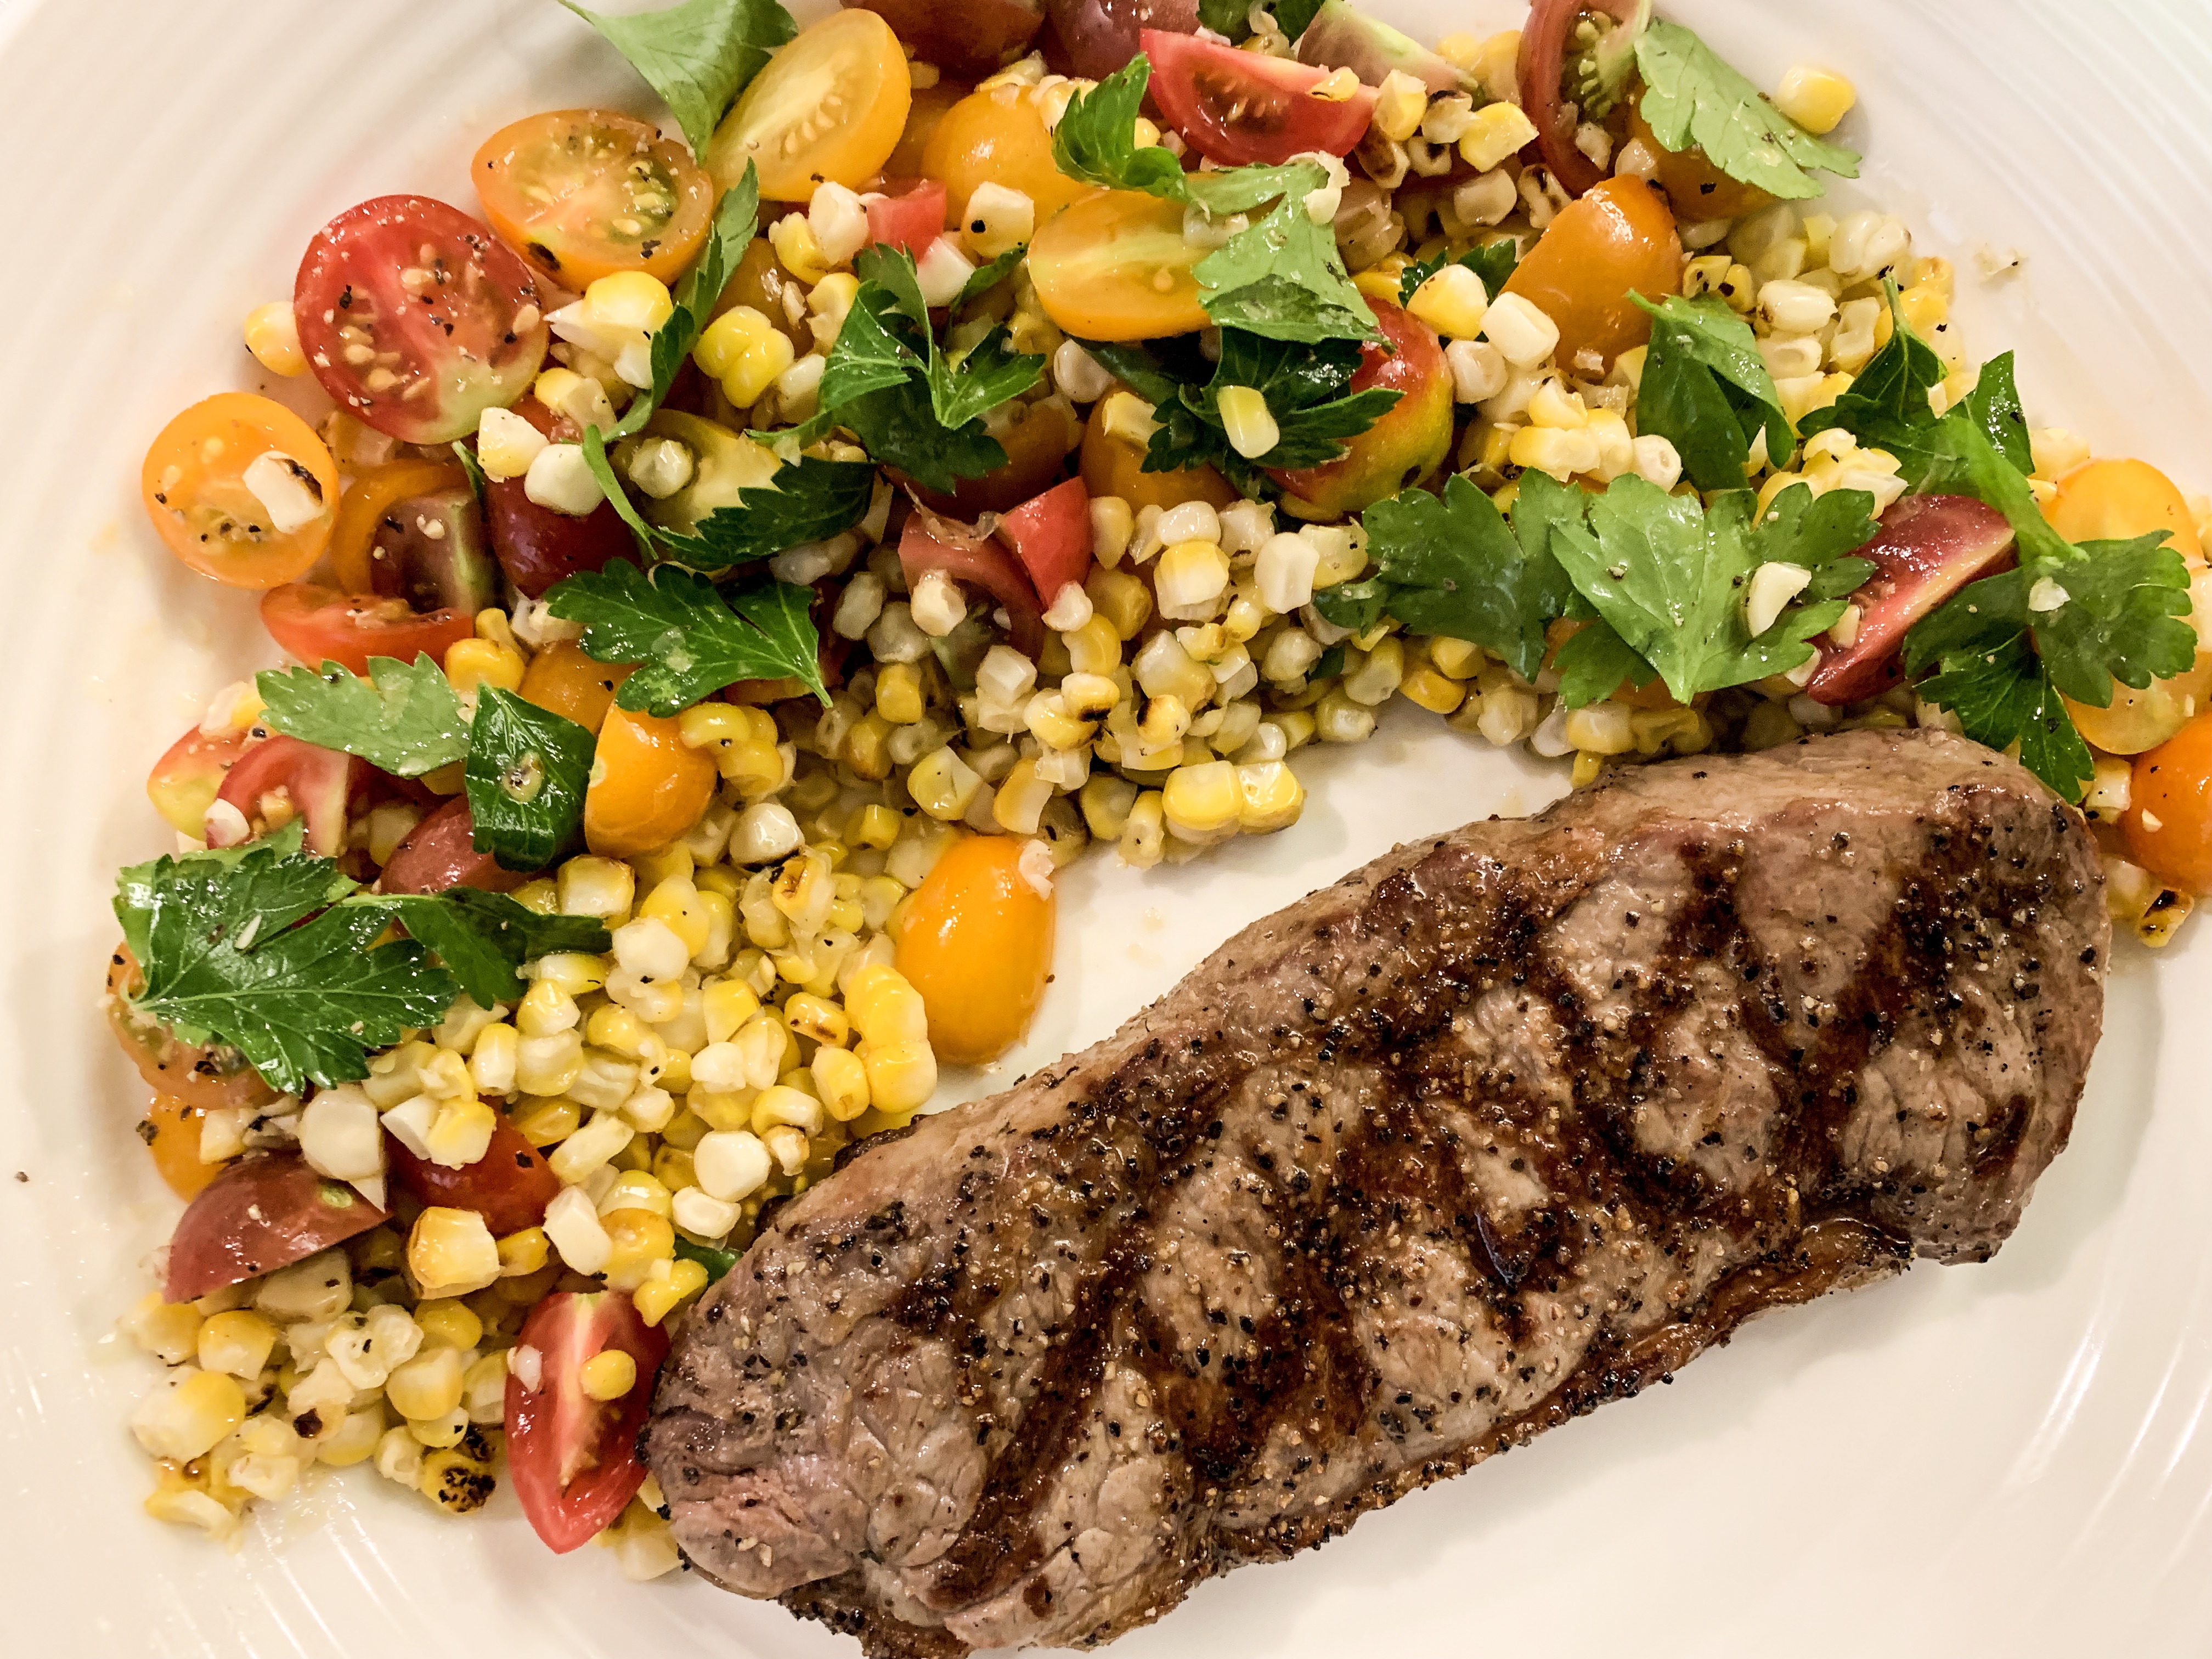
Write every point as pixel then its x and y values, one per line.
pixel 1657 460
pixel 839 219
pixel 997 220
pixel 1795 308
pixel 943 271
pixel 560 479
pixel 572 1224
pixel 1771 589
pixel 288 493
pixel 937 604
pixel 1078 373
pixel 1478 369
pixel 339 1136
pixel 1519 329
pixel 700 1213
pixel 731 1164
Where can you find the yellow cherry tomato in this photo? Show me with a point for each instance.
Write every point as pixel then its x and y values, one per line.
pixel 171 1130
pixel 1115 265
pixel 2118 501
pixel 998 137
pixel 1112 466
pixel 2136 721
pixel 830 106
pixel 584 193
pixel 2168 824
pixel 562 679
pixel 922 115
pixel 199 482
pixel 975 941
pixel 648 786
pixel 1616 242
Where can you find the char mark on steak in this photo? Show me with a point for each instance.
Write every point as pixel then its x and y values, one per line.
pixel 1503 1126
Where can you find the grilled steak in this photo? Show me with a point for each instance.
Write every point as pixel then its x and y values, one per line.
pixel 1505 1125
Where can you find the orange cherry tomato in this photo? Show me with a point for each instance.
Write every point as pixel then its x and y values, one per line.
pixel 928 109
pixel 584 193
pixel 649 786
pixel 1696 189
pixel 198 490
pixel 998 137
pixel 1115 265
pixel 1113 466
pixel 830 105
pixel 373 494
pixel 1037 447
pixel 562 679
pixel 2168 822
pixel 1617 240
pixel 171 1130
pixel 2119 501
pixel 200 1076
pixel 975 941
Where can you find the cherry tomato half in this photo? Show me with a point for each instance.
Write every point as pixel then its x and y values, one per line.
pixel 1617 240
pixel 200 1075
pixel 367 500
pixel 509 1186
pixel 648 786
pixel 184 782
pixel 576 687
pixel 974 37
pixel 261 1214
pixel 199 486
pixel 538 546
pixel 1244 106
pixel 830 105
pixel 1928 548
pixel 998 137
pixel 975 941
pixel 574 1458
pixel 1543 62
pixel 1112 466
pixel 441 852
pixel 280 779
pixel 584 193
pixel 1050 534
pixel 1696 189
pixel 317 625
pixel 171 1130
pixel 2168 824
pixel 1115 265
pixel 416 318
pixel 2118 500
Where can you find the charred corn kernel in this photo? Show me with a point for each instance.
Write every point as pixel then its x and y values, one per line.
pixel 817 1017
pixel 898 693
pixel 1814 98
pixel 793 238
pixel 902 1076
pixel 187 1416
pixel 872 826
pixel 1144 831
pixel 1269 797
pixel 472 662
pixel 1200 801
pixel 454 1324
pixel 1122 600
pixel 663 1293
pixel 272 335
pixel 607 1375
pixel 675 904
pixel 237 1343
pixel 1246 418
pixel 454 1477
pixel 1431 691
pixel 427 1386
pixel 451 1252
pixel 1453 302
pixel 545 1123
pixel 638 1238
pixel 841 1077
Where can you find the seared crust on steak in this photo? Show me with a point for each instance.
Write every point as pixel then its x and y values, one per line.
pixel 1505 1125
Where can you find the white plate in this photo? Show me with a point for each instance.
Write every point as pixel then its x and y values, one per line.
pixel 2002 1459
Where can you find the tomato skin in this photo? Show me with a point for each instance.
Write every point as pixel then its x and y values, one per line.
pixel 261 1214
pixel 1407 444
pixel 998 137
pixel 1696 189
pixel 538 547
pixel 975 941
pixel 199 1077
pixel 193 489
pixel 927 108
pixel 912 219
pixel 563 679
pixel 1619 240
pixel 845 71
pixel 185 781
pixel 573 1459
pixel 171 1130
pixel 1925 550
pixel 1112 466
pixel 464 344
pixel 973 38
pixel 316 625
pixel 930 542
pixel 509 1186
pixel 1543 61
pixel 320 784
pixel 441 852
pixel 1050 534
pixel 1100 36
pixel 649 786
pixel 554 184
pixel 2168 822
pixel 1099 265
pixel 2116 501
pixel 372 495
pixel 1238 107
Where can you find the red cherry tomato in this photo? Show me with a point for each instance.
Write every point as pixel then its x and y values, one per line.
pixel 574 1458
pixel 1241 107
pixel 1929 548
pixel 969 39
pixel 441 852
pixel 912 217
pixel 931 542
pixel 316 625
pixel 1543 62
pixel 200 1075
pixel 537 546
pixel 260 1214
pixel 280 779
pixel 416 318
pixel 1100 36
pixel 509 1186
pixel 1050 534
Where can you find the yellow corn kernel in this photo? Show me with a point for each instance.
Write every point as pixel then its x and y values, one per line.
pixel 545 1010
pixel 729 1006
pixel 568 393
pixel 450 1323
pixel 1269 797
pixel 629 299
pixel 451 1252
pixel 428 1386
pixel 1814 98
pixel 868 747
pixel 1200 801
pixel 540 897
pixel 1144 831
pixel 943 785
pixel 840 1077
pixel 472 662
pixel 1927 307
pixel 745 351
pixel 190 1420
pixel 898 693
pixel 1455 659
pixel 1128 417
pixel 1112 524
pixel 547 1122
pixel 272 335
pixel 638 1238
pixel 1452 302
pixel 637 1189
pixel 902 1076
pixel 1704 274
pixel 872 826
pixel 1124 601
pixel 1095 648
pixel 1247 420
pixel 608 1375
pixel 237 1342
pixel 660 1294
pixel 1106 800
pixel 574 972
pixel 793 238
pixel 883 1007
pixel 818 1019
pixel 1433 690
pixel 1496 132
pixel 522 1252
pixel 676 904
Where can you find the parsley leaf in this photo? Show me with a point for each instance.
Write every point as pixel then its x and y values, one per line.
pixel 1096 141
pixel 1230 18
pixel 1819 533
pixel 1494 262
pixel 1994 404
pixel 897 426
pixel 735 217
pixel 1707 391
pixel 698 56
pixel 1593 662
pixel 1668 575
pixel 403 719
pixel 482 937
pixel 809 501
pixel 1692 97
pixel 1886 407
pixel 1449 565
pixel 692 642
pixel 715 1260
pixel 528 771
pixel 473 467
pixel 2004 695
pixel 1294 17
pixel 230 955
